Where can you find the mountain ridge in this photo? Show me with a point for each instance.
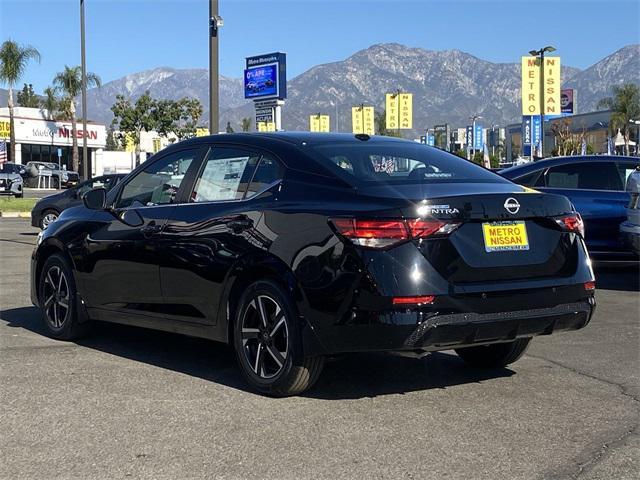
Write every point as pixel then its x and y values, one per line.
pixel 448 86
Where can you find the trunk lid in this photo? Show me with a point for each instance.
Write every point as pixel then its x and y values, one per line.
pixel 468 255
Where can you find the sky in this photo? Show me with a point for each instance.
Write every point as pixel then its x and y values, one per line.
pixel 127 36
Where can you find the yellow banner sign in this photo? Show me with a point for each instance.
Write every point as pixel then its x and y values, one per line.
pixel 202 132
pixel 552 86
pixel 531 86
pixel 319 123
pixel 399 112
pixel 362 119
pixel 266 126
pixel 5 129
pixel 129 143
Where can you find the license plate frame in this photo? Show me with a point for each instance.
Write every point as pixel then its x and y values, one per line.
pixel 505 236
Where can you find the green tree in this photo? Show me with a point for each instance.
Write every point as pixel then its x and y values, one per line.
pixel 245 124
pixel 625 106
pixel 27 97
pixel 50 103
pixel 131 119
pixel 165 114
pixel 380 123
pixel 13 63
pixel 69 83
pixel 113 142
pixel 190 112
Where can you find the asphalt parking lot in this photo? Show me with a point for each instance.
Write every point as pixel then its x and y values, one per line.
pixel 131 403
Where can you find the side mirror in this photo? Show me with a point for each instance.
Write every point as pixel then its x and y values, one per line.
pixel 95 199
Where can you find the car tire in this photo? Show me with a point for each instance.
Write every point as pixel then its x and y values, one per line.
pixel 268 344
pixel 47 217
pixel 57 297
pixel 496 355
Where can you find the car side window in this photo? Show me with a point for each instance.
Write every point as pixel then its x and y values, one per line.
pixel 158 183
pixel 529 179
pixel 268 172
pixel 625 169
pixel 225 175
pixel 584 176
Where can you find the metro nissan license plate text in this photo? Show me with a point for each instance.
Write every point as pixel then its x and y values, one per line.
pixel 505 236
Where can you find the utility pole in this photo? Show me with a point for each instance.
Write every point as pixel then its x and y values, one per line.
pixel 215 22
pixel 86 171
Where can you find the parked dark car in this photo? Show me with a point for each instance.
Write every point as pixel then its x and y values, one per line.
pixel 48 209
pixel 59 177
pixel 295 246
pixel 595 185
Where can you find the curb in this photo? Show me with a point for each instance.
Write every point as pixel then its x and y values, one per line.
pixel 15 214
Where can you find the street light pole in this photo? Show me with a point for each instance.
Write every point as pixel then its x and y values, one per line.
pixel 86 171
pixel 215 22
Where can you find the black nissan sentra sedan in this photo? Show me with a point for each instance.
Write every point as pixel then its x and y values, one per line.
pixel 295 246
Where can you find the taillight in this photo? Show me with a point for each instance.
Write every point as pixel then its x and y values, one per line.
pixel 383 233
pixel 420 300
pixel 589 286
pixel 572 223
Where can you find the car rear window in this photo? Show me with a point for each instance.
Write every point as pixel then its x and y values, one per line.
pixel 399 163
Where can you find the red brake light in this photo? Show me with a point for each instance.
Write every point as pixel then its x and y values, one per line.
pixel 414 300
pixel 572 223
pixel 590 286
pixel 383 233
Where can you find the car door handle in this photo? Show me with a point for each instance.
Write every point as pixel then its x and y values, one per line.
pixel 150 229
pixel 240 225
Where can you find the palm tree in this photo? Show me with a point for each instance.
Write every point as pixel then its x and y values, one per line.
pixel 246 124
pixel 13 62
pixel 625 106
pixel 69 82
pixel 50 103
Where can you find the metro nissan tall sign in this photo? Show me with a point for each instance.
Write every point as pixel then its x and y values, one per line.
pixel 531 86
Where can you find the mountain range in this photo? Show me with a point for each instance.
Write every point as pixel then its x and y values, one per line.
pixel 447 86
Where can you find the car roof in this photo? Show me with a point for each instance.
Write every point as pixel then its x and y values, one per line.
pixel 292 138
pixel 553 161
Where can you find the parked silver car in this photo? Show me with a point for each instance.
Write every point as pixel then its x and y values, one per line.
pixel 630 229
pixel 10 181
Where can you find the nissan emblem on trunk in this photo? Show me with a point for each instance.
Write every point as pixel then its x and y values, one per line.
pixel 511 205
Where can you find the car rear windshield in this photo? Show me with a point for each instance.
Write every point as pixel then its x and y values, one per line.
pixel 399 163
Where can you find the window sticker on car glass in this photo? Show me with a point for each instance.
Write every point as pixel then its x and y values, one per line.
pixel 220 179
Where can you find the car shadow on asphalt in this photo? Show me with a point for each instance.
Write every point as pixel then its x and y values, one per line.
pixel 625 278
pixel 350 376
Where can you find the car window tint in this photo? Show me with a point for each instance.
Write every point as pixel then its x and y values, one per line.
pixel 268 172
pixel 225 175
pixel 625 169
pixel 367 163
pixel 528 180
pixel 159 182
pixel 584 176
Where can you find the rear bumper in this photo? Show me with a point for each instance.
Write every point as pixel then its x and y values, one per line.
pixel 437 330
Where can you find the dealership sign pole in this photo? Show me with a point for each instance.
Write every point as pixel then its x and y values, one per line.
pixel 265 82
pixel 541 86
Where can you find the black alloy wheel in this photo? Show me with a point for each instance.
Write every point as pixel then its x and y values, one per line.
pixel 267 342
pixel 265 336
pixel 57 297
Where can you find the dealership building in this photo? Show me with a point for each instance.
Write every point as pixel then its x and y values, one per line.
pixel 39 139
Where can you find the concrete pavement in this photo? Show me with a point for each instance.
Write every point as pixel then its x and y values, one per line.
pixel 133 403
